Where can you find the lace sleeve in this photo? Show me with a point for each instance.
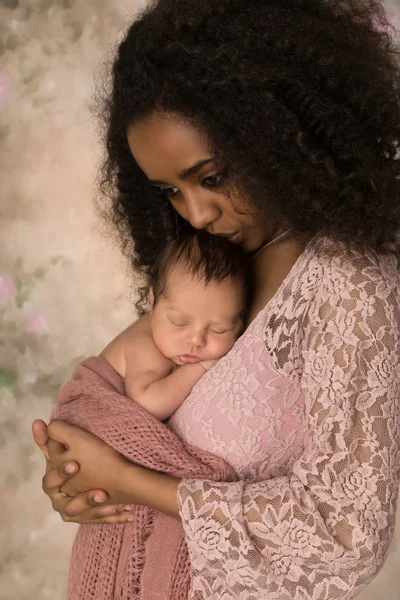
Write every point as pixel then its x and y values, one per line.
pixel 324 531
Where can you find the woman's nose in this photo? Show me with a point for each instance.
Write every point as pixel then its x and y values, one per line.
pixel 201 211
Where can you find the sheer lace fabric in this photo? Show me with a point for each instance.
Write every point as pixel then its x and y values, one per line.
pixel 305 407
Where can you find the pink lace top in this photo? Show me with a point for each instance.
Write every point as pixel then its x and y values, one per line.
pixel 305 407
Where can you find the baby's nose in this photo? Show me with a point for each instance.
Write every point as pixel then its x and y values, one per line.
pixel 198 339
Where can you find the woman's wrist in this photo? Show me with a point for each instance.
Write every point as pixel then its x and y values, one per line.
pixel 149 488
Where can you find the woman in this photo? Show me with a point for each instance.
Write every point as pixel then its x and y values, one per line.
pixel 275 124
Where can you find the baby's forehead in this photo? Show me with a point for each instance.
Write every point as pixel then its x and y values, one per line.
pixel 180 275
pixel 192 294
pixel 198 287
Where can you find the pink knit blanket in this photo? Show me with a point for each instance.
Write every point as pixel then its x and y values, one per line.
pixel 148 558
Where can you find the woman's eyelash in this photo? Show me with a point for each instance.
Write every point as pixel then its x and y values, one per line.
pixel 171 192
pixel 210 181
pixel 213 180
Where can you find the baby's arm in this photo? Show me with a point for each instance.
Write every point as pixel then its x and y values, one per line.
pixel 154 382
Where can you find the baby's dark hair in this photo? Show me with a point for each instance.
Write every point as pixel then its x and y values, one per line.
pixel 203 256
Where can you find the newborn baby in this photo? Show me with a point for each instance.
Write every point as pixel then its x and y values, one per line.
pixel 198 293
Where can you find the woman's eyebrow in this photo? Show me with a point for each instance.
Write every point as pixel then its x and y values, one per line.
pixel 186 172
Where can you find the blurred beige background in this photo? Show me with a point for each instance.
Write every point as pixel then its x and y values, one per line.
pixel 64 288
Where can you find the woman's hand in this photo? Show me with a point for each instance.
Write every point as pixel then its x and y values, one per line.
pixel 100 466
pixel 86 507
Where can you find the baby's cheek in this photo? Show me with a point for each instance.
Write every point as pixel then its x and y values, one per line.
pixel 225 345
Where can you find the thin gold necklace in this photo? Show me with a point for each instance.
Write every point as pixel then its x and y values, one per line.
pixel 271 242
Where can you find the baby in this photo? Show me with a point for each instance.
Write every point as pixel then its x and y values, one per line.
pixel 198 293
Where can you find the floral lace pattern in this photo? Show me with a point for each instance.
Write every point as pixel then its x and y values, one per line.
pixel 246 411
pixel 306 408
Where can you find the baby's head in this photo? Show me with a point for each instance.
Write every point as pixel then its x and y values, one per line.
pixel 198 291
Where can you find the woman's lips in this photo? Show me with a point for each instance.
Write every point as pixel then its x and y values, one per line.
pixel 236 238
pixel 189 358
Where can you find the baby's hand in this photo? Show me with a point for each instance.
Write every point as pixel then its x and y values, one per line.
pixel 207 364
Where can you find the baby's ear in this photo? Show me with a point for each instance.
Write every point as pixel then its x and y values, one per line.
pixel 151 298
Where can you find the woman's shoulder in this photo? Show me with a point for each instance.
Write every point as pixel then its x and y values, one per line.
pixel 356 297
pixel 335 269
pixel 329 270
pixel 332 285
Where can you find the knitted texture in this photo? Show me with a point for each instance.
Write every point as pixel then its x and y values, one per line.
pixel 148 558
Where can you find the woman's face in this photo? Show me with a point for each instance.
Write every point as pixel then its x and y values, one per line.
pixel 175 157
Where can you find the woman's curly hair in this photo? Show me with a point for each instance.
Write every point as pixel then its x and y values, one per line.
pixel 299 98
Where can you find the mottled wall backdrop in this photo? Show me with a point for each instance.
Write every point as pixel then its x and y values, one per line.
pixel 64 292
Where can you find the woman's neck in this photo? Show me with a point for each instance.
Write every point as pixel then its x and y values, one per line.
pixel 271 267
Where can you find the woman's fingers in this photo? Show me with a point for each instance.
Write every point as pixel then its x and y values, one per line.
pixel 55 450
pixel 108 519
pixel 84 509
pixel 108 514
pixel 115 519
pixel 56 477
pixel 62 431
pixel 39 431
pixel 89 501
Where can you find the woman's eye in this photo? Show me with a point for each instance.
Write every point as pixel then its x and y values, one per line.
pixel 213 180
pixel 171 192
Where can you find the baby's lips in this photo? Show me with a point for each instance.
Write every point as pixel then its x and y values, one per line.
pixel 189 359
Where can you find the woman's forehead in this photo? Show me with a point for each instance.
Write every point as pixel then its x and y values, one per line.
pixel 163 142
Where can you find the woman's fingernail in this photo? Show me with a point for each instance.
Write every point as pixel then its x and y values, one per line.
pixel 71 468
pixel 97 498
